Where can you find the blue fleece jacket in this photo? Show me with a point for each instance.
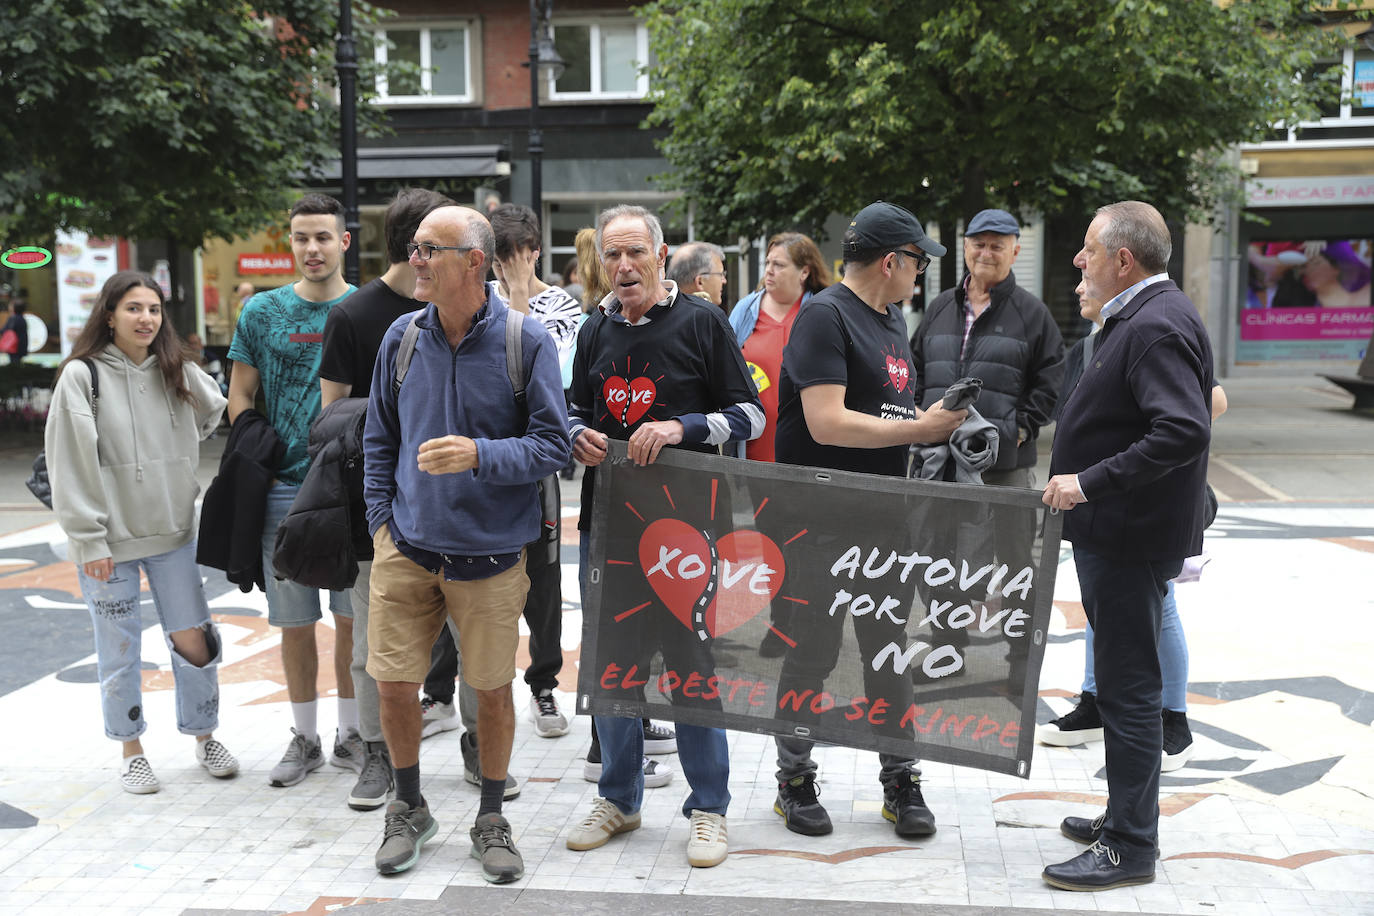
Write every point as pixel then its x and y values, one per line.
pixel 745 314
pixel 493 508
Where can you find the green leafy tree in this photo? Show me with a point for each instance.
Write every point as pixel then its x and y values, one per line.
pixel 176 119
pixel 781 112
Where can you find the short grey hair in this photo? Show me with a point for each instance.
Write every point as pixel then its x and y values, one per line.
pixel 692 260
pixel 1140 229
pixel 630 210
pixel 479 236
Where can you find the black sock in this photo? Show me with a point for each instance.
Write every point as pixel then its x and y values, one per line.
pixel 493 791
pixel 408 786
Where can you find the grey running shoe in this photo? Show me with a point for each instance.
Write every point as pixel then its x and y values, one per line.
pixel 437 717
pixel 302 755
pixel 406 832
pixel 549 722
pixel 493 847
pixel 349 752
pixel 376 780
pixel 472 767
pixel 216 759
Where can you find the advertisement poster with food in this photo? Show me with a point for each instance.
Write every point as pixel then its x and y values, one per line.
pixel 83 265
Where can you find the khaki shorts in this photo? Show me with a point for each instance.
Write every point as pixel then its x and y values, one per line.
pixel 409 604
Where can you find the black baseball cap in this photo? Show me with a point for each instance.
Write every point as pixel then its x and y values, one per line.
pixel 882 225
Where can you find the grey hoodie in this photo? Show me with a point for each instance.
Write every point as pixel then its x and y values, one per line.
pixel 124 481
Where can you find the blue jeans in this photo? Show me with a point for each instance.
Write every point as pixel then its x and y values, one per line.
pixel 1173 657
pixel 290 604
pixel 174 580
pixel 702 752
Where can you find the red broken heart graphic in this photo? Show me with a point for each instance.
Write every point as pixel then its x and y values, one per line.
pixel 628 401
pixel 899 372
pixel 676 560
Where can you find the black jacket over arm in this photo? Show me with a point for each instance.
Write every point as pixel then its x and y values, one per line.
pixel 235 504
pixel 1136 430
pixel 1015 348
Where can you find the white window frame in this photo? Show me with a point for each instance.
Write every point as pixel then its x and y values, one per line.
pixel 380 50
pixel 594 23
pixel 1346 118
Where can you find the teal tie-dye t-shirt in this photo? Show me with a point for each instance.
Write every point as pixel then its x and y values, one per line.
pixel 281 335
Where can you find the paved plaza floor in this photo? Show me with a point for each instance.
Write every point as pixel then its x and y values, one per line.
pixel 1274 814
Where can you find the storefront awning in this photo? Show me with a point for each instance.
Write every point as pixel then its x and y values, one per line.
pixel 427 162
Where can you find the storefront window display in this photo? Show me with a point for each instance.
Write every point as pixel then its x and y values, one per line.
pixel 1307 299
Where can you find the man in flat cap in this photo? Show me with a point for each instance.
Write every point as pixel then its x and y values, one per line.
pixel 846 401
pixel 987 327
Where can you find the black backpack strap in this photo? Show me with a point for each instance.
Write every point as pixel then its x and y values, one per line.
pixel 95 382
pixel 404 354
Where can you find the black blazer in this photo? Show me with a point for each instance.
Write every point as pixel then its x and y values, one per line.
pixel 235 504
pixel 1136 430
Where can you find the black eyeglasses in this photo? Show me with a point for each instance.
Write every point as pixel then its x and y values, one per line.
pixel 427 250
pixel 920 257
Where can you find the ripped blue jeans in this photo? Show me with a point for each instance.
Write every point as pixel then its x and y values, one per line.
pixel 179 598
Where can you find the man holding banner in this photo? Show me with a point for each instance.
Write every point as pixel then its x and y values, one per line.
pixel 660 369
pixel 847 401
pixel 1130 460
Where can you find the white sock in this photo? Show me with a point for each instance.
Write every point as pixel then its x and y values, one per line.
pixel 304 715
pixel 348 716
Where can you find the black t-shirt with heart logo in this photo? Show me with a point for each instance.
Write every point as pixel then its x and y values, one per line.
pixel 839 340
pixel 682 363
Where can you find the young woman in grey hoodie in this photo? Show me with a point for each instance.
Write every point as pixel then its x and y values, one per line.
pixel 122 467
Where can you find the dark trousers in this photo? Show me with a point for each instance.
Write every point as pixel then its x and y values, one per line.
pixel 543 615
pixel 1124 601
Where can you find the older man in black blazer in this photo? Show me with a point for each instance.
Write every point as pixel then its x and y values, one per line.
pixel 1130 461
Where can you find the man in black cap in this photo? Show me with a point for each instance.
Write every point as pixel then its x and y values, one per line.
pixel 846 400
pixel 989 328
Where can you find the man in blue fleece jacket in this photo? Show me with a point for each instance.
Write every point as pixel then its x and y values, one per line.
pixel 451 465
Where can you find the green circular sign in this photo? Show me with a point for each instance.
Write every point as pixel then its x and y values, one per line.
pixel 26 258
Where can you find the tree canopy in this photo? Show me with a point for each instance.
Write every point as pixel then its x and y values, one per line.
pixel 781 112
pixel 149 118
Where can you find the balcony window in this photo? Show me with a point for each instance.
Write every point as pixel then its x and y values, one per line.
pixel 604 58
pixel 1346 121
pixel 440 59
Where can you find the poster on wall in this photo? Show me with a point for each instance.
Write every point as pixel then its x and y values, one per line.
pixel 83 265
pixel 1306 299
pixel 872 612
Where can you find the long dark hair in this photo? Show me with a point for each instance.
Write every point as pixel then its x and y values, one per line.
pixel 166 345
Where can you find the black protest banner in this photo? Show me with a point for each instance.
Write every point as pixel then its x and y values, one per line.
pixel 894 615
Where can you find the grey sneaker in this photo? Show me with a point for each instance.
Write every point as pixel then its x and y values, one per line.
pixel 549 722
pixel 472 767
pixel 436 717
pixel 376 780
pixel 302 755
pixel 349 753
pixel 407 830
pixel 493 847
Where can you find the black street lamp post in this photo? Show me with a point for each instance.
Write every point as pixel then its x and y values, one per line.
pixel 542 56
pixel 347 65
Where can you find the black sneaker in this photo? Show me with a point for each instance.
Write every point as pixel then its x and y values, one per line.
pixel 1178 740
pixel 1078 726
pixel 493 847
pixel 659 739
pixel 800 808
pixel 906 808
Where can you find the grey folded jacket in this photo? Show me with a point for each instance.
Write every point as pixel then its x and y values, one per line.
pixel 972 447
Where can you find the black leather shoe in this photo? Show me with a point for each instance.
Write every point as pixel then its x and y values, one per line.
pixel 1098 868
pixel 801 810
pixel 1082 829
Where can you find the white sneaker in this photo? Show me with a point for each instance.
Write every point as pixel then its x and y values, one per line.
pixel 549 722
pixel 437 717
pixel 657 774
pixel 136 776
pixel 216 759
pixel 706 844
pixel 605 821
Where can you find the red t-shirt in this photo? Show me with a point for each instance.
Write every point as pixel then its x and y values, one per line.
pixel 763 354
